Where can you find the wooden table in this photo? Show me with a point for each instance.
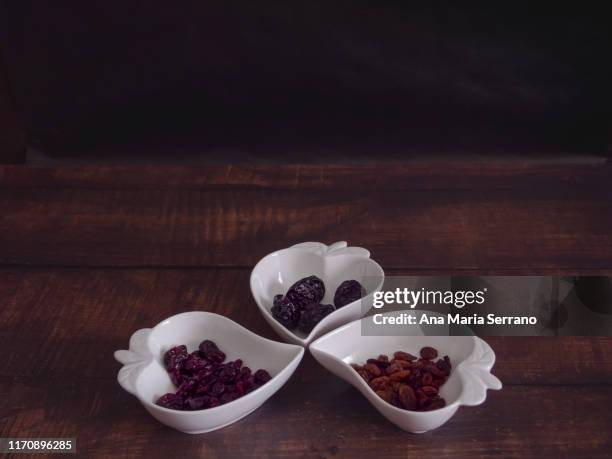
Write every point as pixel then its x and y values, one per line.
pixel 90 254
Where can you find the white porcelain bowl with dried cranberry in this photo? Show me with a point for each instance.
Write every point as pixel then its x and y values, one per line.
pixel 471 359
pixel 333 264
pixel 143 373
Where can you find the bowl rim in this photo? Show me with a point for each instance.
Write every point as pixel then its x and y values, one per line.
pixel 454 405
pixel 303 246
pixel 215 316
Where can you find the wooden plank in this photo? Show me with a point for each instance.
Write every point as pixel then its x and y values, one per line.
pixel 12 133
pixel 380 176
pixel 83 316
pixel 465 229
pixel 315 417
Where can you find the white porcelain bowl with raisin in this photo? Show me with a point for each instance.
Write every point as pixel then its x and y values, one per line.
pixel 334 264
pixel 470 358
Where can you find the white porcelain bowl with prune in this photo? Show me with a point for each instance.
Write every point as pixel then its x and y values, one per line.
pixel 333 274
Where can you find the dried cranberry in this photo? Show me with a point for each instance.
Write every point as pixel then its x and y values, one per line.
pixel 306 291
pixel 227 397
pixel 197 403
pixel 312 314
pixel 262 376
pixel 228 374
pixel 245 373
pixel 194 363
pixel 176 376
pixel 188 386
pixel 204 381
pixel 249 383
pixel 286 313
pixel 347 292
pixel 217 389
pixel 175 356
pixel 172 401
pixel 240 390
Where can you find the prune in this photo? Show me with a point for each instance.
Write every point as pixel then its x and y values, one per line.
pixel 306 291
pixel 286 312
pixel 175 357
pixel 347 292
pixel 172 401
pixel 312 315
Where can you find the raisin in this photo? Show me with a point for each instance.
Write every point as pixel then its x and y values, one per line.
pixel 347 292
pixel 380 383
pixel 444 365
pixel 429 390
pixel 306 291
pixel 436 403
pixel 382 364
pixel 428 353
pixel 386 395
pixel 393 368
pixel 400 375
pixel 372 370
pixel 406 381
pixel 407 397
pixel 364 374
pixel 399 355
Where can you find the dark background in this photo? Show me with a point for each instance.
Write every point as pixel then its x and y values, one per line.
pixel 306 81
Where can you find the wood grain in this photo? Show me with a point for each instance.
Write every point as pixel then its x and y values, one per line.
pixel 89 255
pixel 318 417
pixel 84 314
pixel 435 229
pixel 437 175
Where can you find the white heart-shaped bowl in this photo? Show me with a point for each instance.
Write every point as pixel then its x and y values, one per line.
pixel 471 360
pixel 276 272
pixel 144 375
